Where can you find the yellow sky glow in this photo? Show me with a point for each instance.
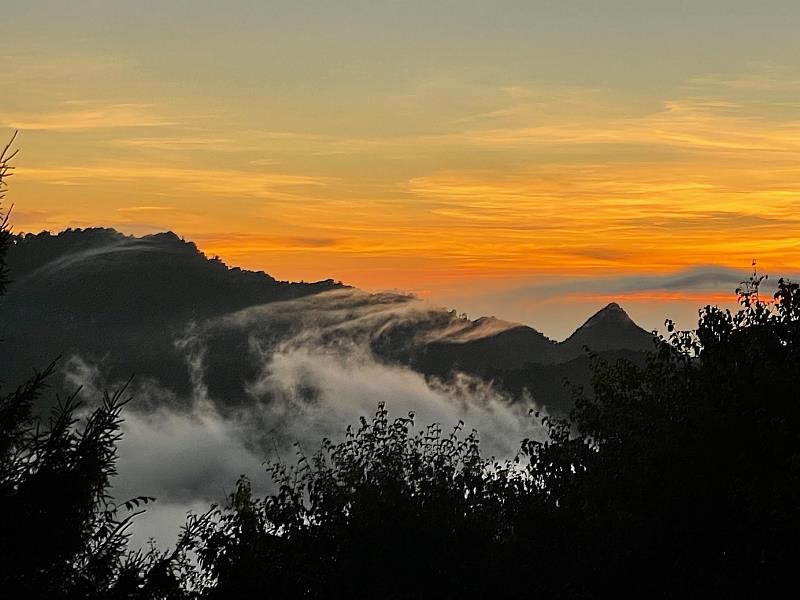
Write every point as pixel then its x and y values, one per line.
pixel 699 182
pixel 448 182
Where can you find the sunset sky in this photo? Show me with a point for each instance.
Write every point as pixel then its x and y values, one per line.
pixel 533 160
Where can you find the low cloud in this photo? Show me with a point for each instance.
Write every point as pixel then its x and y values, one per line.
pixel 710 278
pixel 317 376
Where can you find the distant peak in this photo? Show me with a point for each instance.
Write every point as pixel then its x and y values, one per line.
pixel 611 313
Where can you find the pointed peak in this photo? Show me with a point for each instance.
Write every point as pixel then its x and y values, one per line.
pixel 612 312
pixel 610 328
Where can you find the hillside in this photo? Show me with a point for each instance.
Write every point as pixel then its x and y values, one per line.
pixel 157 307
pixel 120 300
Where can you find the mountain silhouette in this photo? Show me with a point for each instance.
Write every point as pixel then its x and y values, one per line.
pixel 522 360
pixel 608 329
pixel 515 345
pixel 508 349
pixel 105 271
pixel 142 305
pixel 120 300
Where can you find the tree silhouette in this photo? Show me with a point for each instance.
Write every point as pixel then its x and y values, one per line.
pixel 684 476
pixel 677 478
pixel 61 534
pixel 6 170
pixel 383 514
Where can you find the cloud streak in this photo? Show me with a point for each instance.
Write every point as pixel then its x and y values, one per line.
pixel 72 118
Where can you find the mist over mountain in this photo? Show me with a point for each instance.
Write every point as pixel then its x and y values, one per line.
pixel 156 307
pixel 231 365
pixel 120 301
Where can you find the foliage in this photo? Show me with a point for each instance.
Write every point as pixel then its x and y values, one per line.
pixel 372 516
pixel 61 534
pixel 6 170
pixel 687 470
pixel 676 478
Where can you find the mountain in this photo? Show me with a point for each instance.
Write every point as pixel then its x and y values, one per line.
pixel 522 361
pixel 510 346
pixel 120 300
pixel 608 329
pixel 157 307
pixel 503 346
pixel 101 271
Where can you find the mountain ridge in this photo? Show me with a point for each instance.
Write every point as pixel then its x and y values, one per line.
pixel 124 302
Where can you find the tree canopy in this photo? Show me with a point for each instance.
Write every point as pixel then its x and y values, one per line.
pixel 676 478
pixel 62 535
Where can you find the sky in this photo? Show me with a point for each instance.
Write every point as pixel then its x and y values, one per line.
pixel 528 159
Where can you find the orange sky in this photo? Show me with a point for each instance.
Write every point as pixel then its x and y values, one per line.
pixel 464 159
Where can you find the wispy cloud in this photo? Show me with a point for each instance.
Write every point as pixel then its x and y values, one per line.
pixel 72 118
pixel 217 182
pixel 705 278
pixel 533 177
pixel 141 209
pixel 688 123
pixel 214 144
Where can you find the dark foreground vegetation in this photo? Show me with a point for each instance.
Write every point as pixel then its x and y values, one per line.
pixel 680 478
